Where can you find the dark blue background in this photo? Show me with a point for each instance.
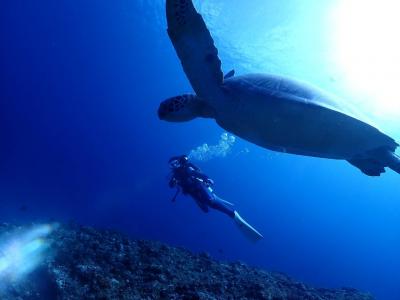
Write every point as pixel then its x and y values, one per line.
pixel 80 82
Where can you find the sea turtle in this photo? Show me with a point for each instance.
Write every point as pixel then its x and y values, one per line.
pixel 271 111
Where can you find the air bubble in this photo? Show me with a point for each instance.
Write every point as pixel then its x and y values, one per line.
pixel 207 152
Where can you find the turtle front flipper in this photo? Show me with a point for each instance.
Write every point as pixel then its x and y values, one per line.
pixel 195 48
pixel 184 108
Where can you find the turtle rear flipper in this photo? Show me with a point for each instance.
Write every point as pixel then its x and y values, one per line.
pixel 391 160
pixel 195 47
pixel 370 167
pixel 375 165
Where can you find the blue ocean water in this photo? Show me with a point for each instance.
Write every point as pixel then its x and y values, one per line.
pixel 80 140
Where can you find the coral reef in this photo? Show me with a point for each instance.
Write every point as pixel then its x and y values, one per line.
pixel 85 263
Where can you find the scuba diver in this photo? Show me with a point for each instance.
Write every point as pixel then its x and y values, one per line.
pixel 189 179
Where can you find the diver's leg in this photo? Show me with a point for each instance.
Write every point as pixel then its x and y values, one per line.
pixel 204 196
pixel 200 198
pixel 244 227
pixel 202 206
pixel 217 203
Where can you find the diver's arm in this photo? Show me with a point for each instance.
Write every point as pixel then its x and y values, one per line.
pixel 176 194
pixel 173 182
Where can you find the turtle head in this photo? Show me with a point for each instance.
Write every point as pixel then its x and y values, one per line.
pixel 183 108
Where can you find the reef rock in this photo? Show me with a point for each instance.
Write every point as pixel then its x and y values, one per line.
pixel 85 263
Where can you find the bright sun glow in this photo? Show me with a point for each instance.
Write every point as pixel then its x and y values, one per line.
pixel 366 46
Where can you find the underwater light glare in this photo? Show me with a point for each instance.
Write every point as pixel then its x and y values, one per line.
pixel 22 252
pixel 366 45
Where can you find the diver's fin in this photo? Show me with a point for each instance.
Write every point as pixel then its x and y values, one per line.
pixel 230 74
pixel 251 233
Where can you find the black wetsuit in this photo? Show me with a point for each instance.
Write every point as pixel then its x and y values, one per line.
pixel 199 187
